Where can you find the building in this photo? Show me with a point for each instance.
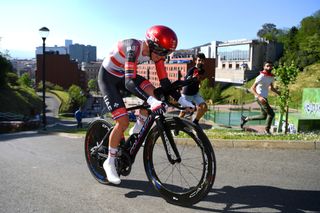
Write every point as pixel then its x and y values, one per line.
pixel 241 60
pixel 57 50
pixel 61 70
pixel 67 44
pixel 91 69
pixel 79 52
pixel 22 66
pixel 82 53
pixel 176 67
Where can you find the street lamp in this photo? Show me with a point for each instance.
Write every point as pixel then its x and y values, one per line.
pixel 44 32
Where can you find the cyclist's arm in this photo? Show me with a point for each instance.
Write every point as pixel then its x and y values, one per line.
pixel 164 81
pixel 131 53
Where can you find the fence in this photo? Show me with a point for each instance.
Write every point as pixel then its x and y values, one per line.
pixel 230 115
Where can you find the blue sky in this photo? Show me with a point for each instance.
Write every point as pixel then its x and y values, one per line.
pixel 103 22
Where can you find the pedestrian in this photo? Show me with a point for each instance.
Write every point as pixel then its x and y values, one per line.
pixel 78 115
pixel 260 89
pixel 191 92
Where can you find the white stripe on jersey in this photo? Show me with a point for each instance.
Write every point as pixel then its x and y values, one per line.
pixel 117 70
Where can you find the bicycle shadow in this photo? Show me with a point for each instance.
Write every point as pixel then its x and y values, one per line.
pixel 243 198
pixel 247 198
pixel 139 187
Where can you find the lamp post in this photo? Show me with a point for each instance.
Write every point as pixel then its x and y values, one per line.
pixel 44 32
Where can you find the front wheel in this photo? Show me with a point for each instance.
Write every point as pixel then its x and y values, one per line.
pixel 183 182
pixel 96 148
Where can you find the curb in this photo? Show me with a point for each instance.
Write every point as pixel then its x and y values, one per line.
pixel 266 144
pixel 63 134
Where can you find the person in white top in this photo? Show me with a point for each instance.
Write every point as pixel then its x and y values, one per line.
pixel 260 89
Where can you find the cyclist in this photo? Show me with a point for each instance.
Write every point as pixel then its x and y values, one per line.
pixel 119 72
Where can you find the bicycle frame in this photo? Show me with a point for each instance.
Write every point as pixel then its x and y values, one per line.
pixel 166 136
pixel 141 136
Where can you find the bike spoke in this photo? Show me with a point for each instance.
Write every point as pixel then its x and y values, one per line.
pixel 179 170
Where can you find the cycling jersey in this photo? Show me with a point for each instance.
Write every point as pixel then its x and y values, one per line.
pixel 122 63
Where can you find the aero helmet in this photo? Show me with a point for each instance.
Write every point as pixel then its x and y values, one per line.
pixel 161 40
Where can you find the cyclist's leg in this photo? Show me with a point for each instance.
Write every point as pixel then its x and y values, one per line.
pixel 143 114
pixel 109 86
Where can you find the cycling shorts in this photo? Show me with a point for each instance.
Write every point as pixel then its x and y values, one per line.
pixel 113 88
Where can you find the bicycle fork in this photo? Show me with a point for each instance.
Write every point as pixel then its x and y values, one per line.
pixel 168 141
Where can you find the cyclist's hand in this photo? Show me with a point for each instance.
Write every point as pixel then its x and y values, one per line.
pixel 157 107
pixel 185 103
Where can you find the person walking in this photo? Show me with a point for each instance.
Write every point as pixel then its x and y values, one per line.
pixel 79 114
pixel 260 89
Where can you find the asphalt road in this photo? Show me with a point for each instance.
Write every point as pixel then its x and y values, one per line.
pixel 48 173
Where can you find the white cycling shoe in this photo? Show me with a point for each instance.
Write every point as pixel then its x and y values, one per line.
pixel 111 172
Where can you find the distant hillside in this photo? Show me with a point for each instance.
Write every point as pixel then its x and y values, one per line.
pixel 308 78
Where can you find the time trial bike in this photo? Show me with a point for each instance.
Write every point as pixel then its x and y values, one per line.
pixel 178 157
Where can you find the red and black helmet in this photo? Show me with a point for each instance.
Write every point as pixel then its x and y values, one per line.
pixel 161 40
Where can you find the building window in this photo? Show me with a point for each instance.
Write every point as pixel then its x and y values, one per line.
pixel 237 66
pixel 230 66
pixel 234 52
pixel 223 66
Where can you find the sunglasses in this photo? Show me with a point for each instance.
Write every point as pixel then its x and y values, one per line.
pixel 161 51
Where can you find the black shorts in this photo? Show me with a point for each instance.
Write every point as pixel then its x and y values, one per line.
pixel 113 88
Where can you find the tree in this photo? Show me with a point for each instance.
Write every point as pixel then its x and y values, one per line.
pixel 25 80
pixel 76 97
pixel 210 93
pixel 5 67
pixel 205 90
pixel 285 75
pixel 268 32
pixel 92 85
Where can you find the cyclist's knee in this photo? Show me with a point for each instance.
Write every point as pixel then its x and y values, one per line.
pixel 122 123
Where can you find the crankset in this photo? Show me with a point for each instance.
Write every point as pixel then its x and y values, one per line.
pixel 123 163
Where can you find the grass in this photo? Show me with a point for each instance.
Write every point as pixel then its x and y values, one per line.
pixel 19 100
pixel 63 97
pixel 232 93
pixel 229 134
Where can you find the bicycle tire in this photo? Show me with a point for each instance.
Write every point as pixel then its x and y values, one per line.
pixel 197 142
pixel 94 136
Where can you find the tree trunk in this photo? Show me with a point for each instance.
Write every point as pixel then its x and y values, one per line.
pixel 279 127
pixel 287 118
